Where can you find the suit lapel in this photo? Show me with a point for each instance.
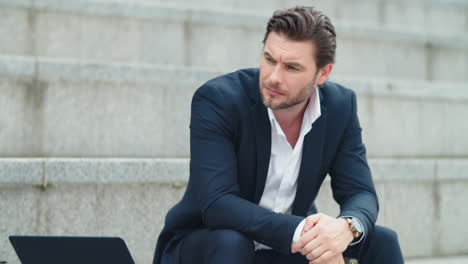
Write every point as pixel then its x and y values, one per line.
pixel 263 140
pixel 311 155
pixel 311 163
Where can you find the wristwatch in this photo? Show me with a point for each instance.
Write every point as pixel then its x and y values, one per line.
pixel 350 261
pixel 355 227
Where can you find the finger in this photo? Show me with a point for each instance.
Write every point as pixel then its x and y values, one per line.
pixel 312 220
pixel 324 258
pixel 305 229
pixel 304 239
pixel 313 244
pixel 316 253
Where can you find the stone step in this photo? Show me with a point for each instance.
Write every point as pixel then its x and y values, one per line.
pixel 446 260
pixel 427 15
pixel 57 108
pixel 422 200
pixel 143 32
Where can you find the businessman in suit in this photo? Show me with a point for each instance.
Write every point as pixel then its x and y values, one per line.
pixel 261 143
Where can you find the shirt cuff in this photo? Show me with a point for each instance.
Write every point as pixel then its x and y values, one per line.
pixel 297 233
pixel 363 232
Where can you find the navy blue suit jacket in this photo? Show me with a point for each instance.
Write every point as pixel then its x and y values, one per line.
pixel 230 144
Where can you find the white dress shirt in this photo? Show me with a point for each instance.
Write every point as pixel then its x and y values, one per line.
pixel 283 170
pixel 285 161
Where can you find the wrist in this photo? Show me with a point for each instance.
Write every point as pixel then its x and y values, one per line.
pixel 349 236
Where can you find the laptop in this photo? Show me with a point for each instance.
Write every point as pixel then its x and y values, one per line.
pixel 71 250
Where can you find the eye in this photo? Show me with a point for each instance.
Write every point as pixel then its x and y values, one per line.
pixel 270 60
pixel 291 68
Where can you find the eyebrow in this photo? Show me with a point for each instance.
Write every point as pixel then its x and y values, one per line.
pixel 291 64
pixel 266 53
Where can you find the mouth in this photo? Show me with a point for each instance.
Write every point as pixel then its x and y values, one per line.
pixel 273 92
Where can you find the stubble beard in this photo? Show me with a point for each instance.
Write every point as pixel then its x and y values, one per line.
pixel 302 96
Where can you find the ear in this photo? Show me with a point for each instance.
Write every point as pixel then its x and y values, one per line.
pixel 324 73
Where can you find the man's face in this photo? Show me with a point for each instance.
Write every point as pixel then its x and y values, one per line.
pixel 288 72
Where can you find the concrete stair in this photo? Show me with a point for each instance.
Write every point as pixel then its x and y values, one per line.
pixel 144 32
pixel 66 109
pixel 447 260
pixel 422 199
pixel 95 97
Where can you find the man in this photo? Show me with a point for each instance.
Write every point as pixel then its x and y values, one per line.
pixel 262 142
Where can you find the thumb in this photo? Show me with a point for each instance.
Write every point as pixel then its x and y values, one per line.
pixel 306 228
pixel 310 222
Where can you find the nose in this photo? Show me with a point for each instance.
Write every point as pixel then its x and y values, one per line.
pixel 275 76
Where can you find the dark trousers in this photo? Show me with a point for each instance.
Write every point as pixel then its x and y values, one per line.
pixel 206 246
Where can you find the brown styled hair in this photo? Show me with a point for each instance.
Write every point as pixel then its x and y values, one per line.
pixel 306 23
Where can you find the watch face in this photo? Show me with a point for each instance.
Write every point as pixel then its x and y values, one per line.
pixel 357 225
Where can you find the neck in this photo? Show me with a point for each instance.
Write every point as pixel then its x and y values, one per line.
pixel 290 120
pixel 292 115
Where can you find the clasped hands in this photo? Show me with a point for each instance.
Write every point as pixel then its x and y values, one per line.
pixel 323 239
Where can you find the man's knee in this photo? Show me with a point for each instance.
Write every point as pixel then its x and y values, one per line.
pixel 231 240
pixel 217 246
pixel 385 235
pixel 382 247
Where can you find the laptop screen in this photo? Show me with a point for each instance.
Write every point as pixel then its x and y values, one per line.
pixel 71 250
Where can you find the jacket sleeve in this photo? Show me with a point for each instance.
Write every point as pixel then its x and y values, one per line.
pixel 351 179
pixel 213 176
